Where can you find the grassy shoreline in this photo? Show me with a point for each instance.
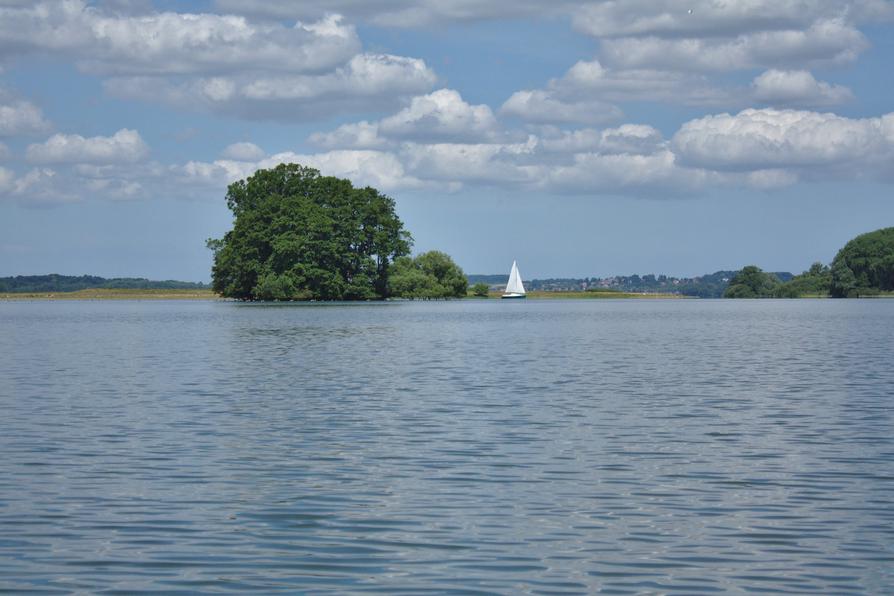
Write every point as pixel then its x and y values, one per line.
pixel 114 294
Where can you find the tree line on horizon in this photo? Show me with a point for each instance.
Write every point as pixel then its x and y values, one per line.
pixel 54 282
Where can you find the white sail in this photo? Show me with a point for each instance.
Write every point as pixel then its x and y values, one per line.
pixel 515 285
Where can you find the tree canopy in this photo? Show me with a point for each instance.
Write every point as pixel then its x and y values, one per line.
pixel 298 235
pixel 813 282
pixel 751 282
pixel 481 290
pixel 865 265
pixel 430 275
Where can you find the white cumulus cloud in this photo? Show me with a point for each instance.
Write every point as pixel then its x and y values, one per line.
pixel 823 43
pixel 633 139
pixel 401 13
pixel 61 183
pixel 171 42
pixel 38 187
pixel 798 88
pixel 625 173
pixel 379 169
pixel 18 116
pixel 367 81
pixel 549 106
pixel 442 115
pixel 354 135
pixel 665 51
pixel 374 168
pixel 223 63
pixel 364 75
pixel 713 18
pixel 757 148
pixel 604 18
pixel 476 163
pixel 758 139
pixel 640 84
pixel 125 146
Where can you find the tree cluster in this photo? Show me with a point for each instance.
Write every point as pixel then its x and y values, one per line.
pixel 430 275
pixel 298 235
pixel 481 290
pixel 813 282
pixel 864 266
pixel 752 282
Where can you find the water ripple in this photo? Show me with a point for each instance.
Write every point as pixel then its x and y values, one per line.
pixel 475 447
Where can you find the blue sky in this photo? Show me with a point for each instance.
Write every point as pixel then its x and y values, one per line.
pixel 580 138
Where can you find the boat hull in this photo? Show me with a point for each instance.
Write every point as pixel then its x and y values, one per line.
pixel 512 296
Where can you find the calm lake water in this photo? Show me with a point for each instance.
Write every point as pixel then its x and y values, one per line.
pixel 543 447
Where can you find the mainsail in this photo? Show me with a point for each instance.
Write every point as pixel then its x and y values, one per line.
pixel 515 282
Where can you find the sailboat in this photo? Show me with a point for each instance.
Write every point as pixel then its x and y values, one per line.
pixel 515 288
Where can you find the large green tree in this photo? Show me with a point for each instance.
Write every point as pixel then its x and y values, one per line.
pixel 298 235
pixel 751 282
pixel 430 275
pixel 865 265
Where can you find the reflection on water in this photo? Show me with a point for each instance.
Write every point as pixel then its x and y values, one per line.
pixel 478 446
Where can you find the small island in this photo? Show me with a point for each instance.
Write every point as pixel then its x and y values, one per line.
pixel 298 235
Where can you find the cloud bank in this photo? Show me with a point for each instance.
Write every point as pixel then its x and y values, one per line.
pixel 758 148
pixel 301 62
pixel 124 146
pixel 222 63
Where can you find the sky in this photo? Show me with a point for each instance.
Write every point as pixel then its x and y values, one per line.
pixel 582 139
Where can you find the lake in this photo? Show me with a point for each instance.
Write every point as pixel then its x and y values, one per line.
pixel 541 447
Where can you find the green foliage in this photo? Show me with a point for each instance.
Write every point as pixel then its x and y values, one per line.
pixel 298 235
pixel 752 282
pixel 447 273
pixel 276 287
pixel 430 275
pixel 844 282
pixel 816 281
pixel 739 291
pixel 865 266
pixel 481 290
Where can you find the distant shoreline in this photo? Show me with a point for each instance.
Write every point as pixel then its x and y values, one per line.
pixel 202 294
pixel 113 294
pixel 207 294
pixel 559 295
